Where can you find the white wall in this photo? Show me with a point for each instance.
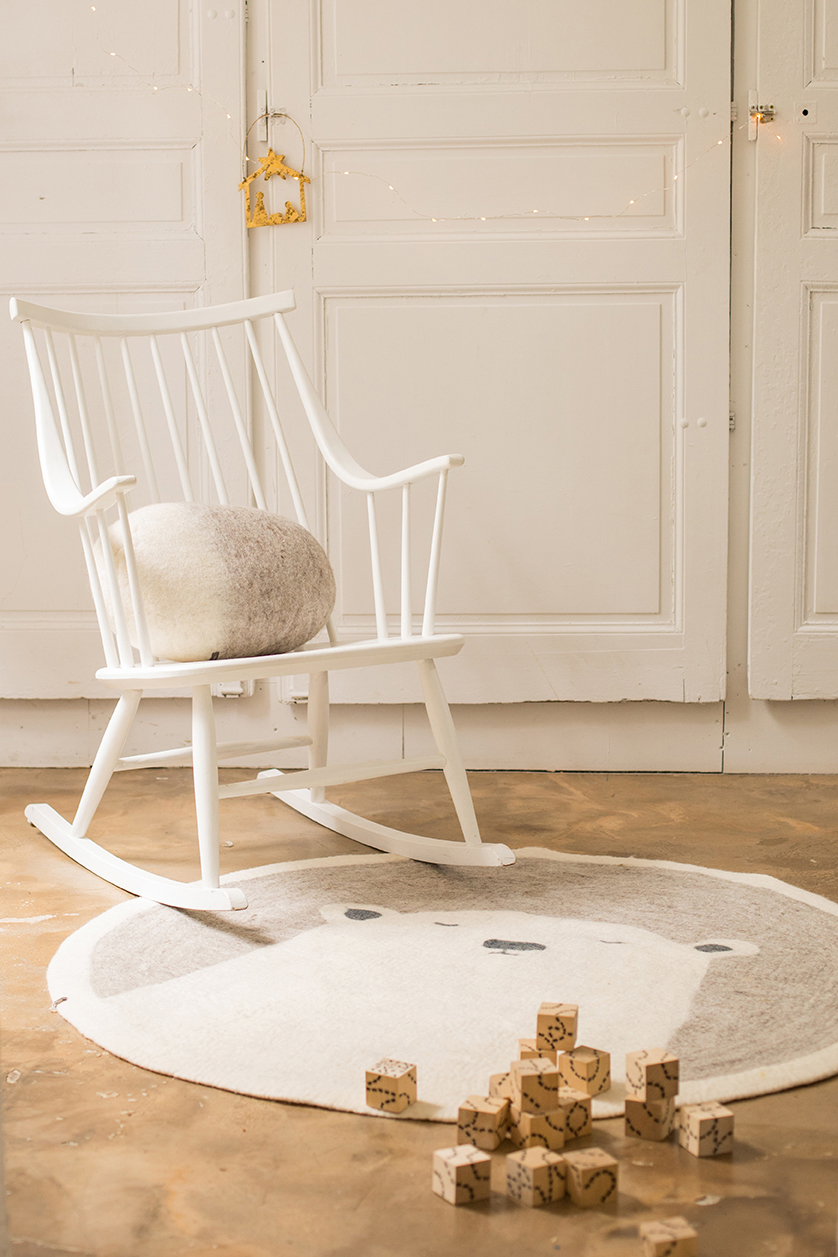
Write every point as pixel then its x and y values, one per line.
pixel 736 735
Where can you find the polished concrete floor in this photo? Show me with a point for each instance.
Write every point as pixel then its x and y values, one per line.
pixel 106 1159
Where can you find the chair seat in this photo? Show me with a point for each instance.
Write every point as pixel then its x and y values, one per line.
pixel 316 657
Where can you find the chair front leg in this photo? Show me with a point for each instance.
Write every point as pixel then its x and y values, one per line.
pixel 445 736
pixel 318 728
pixel 205 781
pixel 110 749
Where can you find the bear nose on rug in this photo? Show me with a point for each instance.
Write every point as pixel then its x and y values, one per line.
pixel 507 947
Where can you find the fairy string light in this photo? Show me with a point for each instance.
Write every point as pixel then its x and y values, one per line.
pixel 523 215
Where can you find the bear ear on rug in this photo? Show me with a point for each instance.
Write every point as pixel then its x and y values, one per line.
pixel 722 948
pixel 341 913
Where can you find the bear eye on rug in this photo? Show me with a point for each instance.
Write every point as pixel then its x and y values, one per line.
pixel 222 582
pixel 339 962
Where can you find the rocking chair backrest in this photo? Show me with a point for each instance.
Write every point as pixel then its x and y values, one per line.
pixel 161 406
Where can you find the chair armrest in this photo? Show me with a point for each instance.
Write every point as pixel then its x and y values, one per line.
pixel 356 478
pixel 68 501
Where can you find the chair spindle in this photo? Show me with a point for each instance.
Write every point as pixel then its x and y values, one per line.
pixel 139 421
pixel 375 559
pixel 204 420
pixel 171 421
pixel 406 613
pixel 429 616
pixel 238 419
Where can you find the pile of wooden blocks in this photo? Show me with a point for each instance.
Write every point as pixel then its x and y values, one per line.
pixel 541 1104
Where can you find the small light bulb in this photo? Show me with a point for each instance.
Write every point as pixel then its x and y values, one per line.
pixel 587 220
pixel 93 8
pixel 229 115
pixel 631 202
pixel 721 141
pixel 346 172
pixel 154 89
pixel 674 176
pixel 535 211
pixel 433 220
pixel 113 54
pixel 482 220
pixel 189 89
pixel 392 189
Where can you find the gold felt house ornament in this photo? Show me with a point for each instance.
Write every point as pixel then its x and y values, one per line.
pixel 270 165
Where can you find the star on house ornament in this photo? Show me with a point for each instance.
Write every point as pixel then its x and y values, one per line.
pixel 269 165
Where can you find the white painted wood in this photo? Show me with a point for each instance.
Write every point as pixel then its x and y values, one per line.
pixel 136 671
pixel 318 778
pixel 118 179
pixel 383 838
pixel 127 876
pixel 558 350
pixel 224 751
pixel 793 649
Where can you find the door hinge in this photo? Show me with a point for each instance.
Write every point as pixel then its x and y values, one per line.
pixel 734 111
pixel 731 421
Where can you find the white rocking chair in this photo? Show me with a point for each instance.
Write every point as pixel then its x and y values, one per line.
pixel 76 348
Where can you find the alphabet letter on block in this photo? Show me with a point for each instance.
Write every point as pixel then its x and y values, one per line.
pixel 535 1085
pixel 501 1085
pixel 462 1174
pixel 591 1177
pixel 671 1237
pixel 649 1119
pixel 576 1107
pixel 482 1121
pixel 391 1086
pixel 556 1026
pixel 653 1074
pixel 586 1069
pixel 537 1130
pixel 527 1051
pixel 535 1176
pixel 706 1130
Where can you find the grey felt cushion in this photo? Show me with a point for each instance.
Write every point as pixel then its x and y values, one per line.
pixel 224 582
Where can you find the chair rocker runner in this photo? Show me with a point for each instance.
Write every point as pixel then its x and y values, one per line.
pixel 149 406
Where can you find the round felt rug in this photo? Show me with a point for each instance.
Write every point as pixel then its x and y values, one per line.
pixel 339 962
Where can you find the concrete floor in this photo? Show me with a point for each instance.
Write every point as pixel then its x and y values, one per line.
pixel 106 1159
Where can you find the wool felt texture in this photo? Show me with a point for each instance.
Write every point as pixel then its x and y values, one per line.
pixel 222 582
pixel 339 962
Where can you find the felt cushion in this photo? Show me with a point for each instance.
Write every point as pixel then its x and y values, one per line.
pixel 225 582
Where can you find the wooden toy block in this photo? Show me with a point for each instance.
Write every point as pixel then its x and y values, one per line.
pixel 391 1086
pixel 556 1026
pixel 576 1107
pixel 649 1119
pixel 705 1130
pixel 670 1237
pixel 537 1130
pixel 652 1074
pixel 535 1176
pixel 591 1177
pixel 462 1174
pixel 527 1051
pixel 535 1085
pixel 501 1085
pixel 586 1069
pixel 482 1121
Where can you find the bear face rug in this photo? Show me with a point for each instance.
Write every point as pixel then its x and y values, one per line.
pixel 339 962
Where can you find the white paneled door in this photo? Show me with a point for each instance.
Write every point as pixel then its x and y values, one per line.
pixel 794 499
pixel 520 253
pixel 119 164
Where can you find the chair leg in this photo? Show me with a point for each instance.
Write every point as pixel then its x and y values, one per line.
pixel 445 736
pixel 110 749
pixel 205 781
pixel 318 728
